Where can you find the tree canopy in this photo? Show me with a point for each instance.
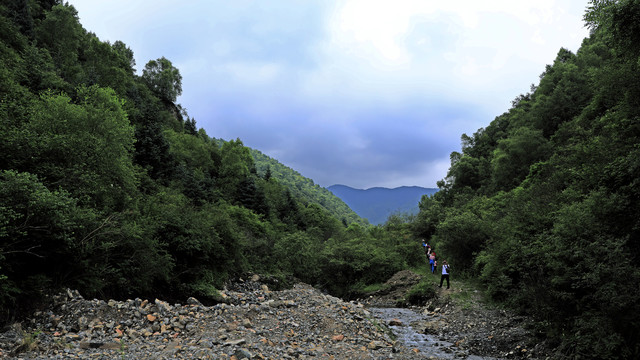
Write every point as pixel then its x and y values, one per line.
pixel 542 204
pixel 163 79
pixel 108 186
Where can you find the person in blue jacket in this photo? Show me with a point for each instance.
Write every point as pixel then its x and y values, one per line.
pixel 432 262
pixel 426 247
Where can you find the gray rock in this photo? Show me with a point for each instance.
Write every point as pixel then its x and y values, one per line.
pixel 235 342
pixel 243 354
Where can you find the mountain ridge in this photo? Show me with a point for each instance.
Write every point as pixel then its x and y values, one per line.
pixel 376 204
pixel 305 188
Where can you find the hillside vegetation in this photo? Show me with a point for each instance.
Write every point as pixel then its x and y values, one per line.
pixel 304 188
pixel 108 186
pixel 543 204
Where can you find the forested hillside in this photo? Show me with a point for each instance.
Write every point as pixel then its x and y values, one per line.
pixel 108 186
pixel 304 188
pixel 543 204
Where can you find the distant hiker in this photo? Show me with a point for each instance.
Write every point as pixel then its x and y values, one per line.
pixel 426 247
pixel 432 262
pixel 445 273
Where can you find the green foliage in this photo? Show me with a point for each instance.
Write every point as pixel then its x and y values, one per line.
pixel 420 294
pixel 85 148
pixel 60 34
pixel 107 65
pixel 514 155
pixel 543 203
pixel 163 79
pixel 297 253
pixel 619 18
pixel 107 186
pixel 37 228
pixel 361 260
pixel 304 188
pixel 397 234
pixel 235 167
pixel 463 235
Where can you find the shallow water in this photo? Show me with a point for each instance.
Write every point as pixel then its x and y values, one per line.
pixel 428 345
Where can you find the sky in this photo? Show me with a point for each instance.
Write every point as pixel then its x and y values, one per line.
pixel 363 93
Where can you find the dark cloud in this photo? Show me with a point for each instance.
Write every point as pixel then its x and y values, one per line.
pixel 367 147
pixel 359 93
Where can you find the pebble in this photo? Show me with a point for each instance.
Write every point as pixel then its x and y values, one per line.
pixel 254 323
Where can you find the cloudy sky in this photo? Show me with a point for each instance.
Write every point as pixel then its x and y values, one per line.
pixel 358 92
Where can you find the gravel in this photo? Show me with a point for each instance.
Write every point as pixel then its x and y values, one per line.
pixel 254 322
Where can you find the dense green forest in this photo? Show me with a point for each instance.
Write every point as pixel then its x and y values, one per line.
pixel 304 188
pixel 543 204
pixel 108 186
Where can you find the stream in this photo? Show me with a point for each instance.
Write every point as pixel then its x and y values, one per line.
pixel 429 345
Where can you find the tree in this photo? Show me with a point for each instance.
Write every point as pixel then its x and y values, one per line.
pixel 461 236
pixel 267 174
pixel 235 168
pixel 163 79
pixel 515 154
pixel 152 152
pixel 190 126
pixel 20 11
pixel 125 54
pixel 86 148
pixel 299 253
pixel 60 33
pixel 37 235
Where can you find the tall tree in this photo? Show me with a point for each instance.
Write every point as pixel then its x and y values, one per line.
pixel 163 79
pixel 86 148
pixel 60 33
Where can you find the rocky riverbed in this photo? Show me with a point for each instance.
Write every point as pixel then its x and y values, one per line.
pixel 257 323
pixel 457 324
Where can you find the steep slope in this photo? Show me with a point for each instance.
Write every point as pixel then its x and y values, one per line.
pixel 304 188
pixel 376 204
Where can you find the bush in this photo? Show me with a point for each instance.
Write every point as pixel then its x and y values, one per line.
pixel 419 294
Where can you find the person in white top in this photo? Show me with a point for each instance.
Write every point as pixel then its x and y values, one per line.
pixel 445 273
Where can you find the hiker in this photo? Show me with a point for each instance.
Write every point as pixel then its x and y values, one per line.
pixel 445 273
pixel 432 262
pixel 427 248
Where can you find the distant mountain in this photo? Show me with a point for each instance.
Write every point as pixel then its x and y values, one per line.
pixel 304 188
pixel 376 204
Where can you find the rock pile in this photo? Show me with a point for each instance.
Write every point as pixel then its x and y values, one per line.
pixel 254 323
pixel 484 331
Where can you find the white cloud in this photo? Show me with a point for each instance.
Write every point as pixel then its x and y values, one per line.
pixel 313 81
pixel 396 44
pixel 252 74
